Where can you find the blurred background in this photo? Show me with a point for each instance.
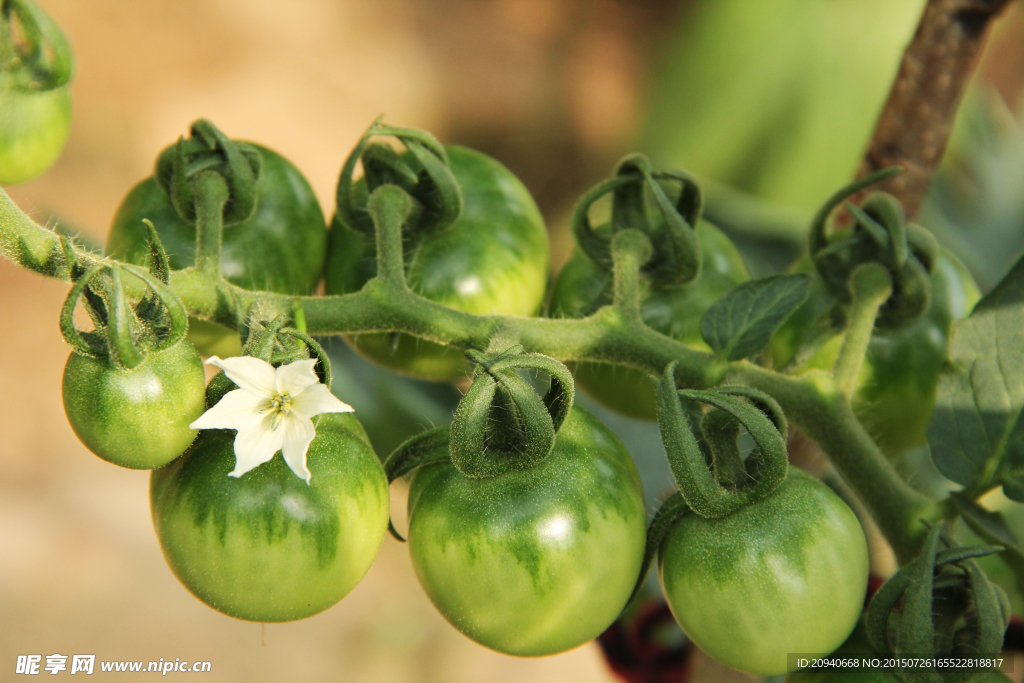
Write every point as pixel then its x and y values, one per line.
pixel 770 103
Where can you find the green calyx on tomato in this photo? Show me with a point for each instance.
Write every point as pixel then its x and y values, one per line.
pixel 667 305
pixel 894 393
pixel 756 559
pixel 266 546
pixel 133 385
pixel 879 234
pixel 477 242
pixel 939 605
pixel 273 238
pixel 35 104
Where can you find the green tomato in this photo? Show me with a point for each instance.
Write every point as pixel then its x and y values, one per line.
pixel 33 129
pixel 787 573
pixel 895 391
pixel 583 287
pixel 280 248
pixel 492 260
pixel 266 546
pixel 534 562
pixel 139 417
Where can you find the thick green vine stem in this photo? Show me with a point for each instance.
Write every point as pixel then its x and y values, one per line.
pixel 41 59
pixel 949 607
pixel 422 172
pixel 640 201
pixel 880 234
pixel 812 402
pixel 502 424
pixel 764 470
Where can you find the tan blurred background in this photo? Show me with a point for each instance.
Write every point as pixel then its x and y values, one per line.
pixel 551 87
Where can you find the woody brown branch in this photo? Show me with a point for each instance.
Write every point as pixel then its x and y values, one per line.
pixel 914 126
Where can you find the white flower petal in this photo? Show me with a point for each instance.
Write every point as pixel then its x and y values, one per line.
pixel 257 445
pixel 251 374
pixel 296 376
pixel 238 409
pixel 318 399
pixel 297 437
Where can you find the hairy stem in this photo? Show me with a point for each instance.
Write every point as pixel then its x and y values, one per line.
pixel 914 127
pixel 870 285
pixel 631 249
pixel 211 192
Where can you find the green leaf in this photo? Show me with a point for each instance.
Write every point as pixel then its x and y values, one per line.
pixel 740 324
pixel 977 431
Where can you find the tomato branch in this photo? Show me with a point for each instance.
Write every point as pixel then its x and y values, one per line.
pixel 915 124
pixel 606 336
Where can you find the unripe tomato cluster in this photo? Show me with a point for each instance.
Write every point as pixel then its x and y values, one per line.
pixel 530 562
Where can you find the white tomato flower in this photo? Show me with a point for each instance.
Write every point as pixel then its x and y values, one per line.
pixel 271 410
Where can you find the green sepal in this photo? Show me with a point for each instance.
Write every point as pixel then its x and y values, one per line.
pixel 640 201
pixel 916 633
pixel 766 467
pixel 423 449
pixel 949 607
pixel 323 365
pixel 671 511
pixel 44 60
pixel 94 304
pixel 92 346
pixel 502 424
pixel 422 172
pixel 882 235
pixel 157 261
pixel 120 332
pixel 208 149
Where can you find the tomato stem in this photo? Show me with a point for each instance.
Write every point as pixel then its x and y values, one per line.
pixel 211 195
pixel 631 249
pixel 870 287
pixel 390 206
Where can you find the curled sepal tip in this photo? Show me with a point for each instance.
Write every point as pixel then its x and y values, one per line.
pixel 422 449
pixel 739 482
pixel 664 205
pixel 502 424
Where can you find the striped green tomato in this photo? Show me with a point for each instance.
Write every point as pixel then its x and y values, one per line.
pixel 266 546
pixel 787 573
pixel 538 561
